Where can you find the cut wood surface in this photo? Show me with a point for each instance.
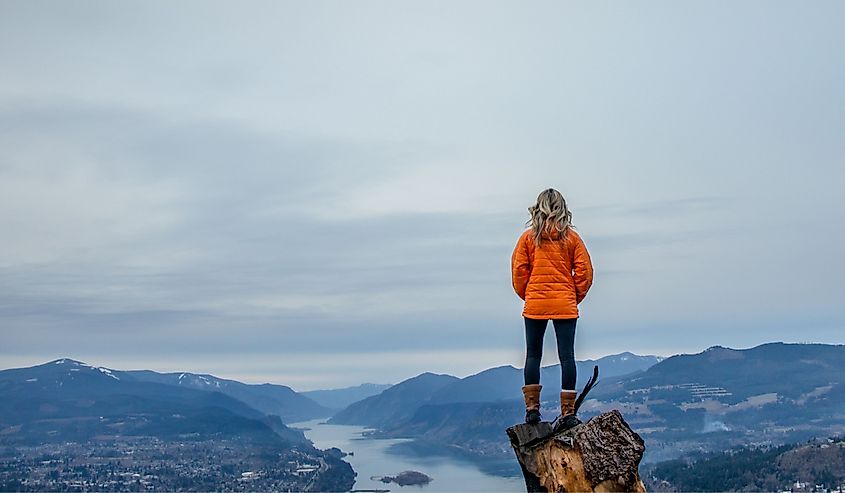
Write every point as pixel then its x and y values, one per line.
pixel 602 454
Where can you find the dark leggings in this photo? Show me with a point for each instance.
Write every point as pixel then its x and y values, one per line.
pixel 565 335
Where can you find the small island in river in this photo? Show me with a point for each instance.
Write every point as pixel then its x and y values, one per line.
pixel 405 478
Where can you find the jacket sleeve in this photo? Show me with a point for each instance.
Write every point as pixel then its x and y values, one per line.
pixel 582 269
pixel 520 267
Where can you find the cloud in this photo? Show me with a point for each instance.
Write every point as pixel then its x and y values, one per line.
pixel 340 182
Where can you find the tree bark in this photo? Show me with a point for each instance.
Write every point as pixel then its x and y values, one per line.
pixel 602 454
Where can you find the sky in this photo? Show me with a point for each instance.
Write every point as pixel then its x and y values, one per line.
pixel 320 194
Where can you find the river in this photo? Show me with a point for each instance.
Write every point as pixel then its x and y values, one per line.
pixel 388 457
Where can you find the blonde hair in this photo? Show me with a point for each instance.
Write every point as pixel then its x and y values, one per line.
pixel 549 214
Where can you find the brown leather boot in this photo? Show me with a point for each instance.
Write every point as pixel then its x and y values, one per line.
pixel 531 393
pixel 567 418
pixel 567 402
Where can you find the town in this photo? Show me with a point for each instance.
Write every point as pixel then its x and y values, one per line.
pixel 150 464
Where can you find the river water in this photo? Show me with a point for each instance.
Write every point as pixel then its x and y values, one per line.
pixel 388 457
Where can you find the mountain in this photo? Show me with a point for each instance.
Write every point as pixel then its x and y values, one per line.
pixel 790 370
pixel 714 400
pixel 66 425
pixel 340 398
pixel 394 404
pixel 474 428
pixel 279 400
pixel 722 397
pixel 620 364
pixel 505 382
pixel 67 399
pixel 502 383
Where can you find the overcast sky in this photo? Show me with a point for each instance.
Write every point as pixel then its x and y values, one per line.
pixel 320 194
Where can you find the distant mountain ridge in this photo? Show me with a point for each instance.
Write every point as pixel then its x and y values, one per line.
pixel 172 431
pixel 722 397
pixel 338 399
pixel 717 399
pixel 279 400
pixel 505 382
pixel 396 403
pixel 401 401
pixel 787 369
pixel 66 399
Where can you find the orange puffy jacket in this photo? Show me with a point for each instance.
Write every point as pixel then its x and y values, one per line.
pixel 553 278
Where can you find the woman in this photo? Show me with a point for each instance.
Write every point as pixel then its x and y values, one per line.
pixel 552 272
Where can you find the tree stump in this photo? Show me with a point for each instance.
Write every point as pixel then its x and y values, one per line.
pixel 602 454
